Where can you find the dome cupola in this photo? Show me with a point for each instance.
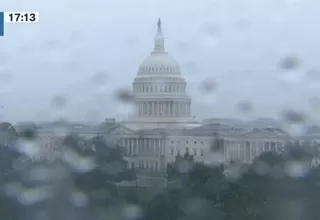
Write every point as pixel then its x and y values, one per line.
pixel 159 62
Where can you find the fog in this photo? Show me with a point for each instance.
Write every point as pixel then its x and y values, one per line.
pixel 239 45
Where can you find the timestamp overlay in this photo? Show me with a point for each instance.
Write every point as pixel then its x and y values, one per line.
pixel 17 18
pixel 1 24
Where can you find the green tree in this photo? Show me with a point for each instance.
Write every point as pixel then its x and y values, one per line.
pixel 8 152
pixel 200 187
pixel 180 166
pixel 165 206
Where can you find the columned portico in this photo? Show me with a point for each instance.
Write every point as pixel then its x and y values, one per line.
pixel 144 153
pixel 163 108
pixel 247 150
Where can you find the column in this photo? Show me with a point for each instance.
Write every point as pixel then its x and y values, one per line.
pixel 139 109
pixel 141 146
pixel 147 108
pixel 156 147
pixel 155 108
pixel 151 147
pixel 131 146
pixel 186 106
pixel 152 108
pixel 142 109
pixel 145 111
pixel 177 109
pixel 125 146
pixel 137 146
pixel 145 146
pixel 174 109
pixel 184 109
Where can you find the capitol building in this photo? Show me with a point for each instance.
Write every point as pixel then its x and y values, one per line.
pixel 163 127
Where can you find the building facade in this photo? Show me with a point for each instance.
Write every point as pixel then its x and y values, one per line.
pixel 163 126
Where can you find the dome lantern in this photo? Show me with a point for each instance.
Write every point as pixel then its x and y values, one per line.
pixel 159 40
pixel 159 62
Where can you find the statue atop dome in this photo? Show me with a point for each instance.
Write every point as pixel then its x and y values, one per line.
pixel 159 25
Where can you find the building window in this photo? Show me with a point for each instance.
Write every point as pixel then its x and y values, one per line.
pixel 195 151
pixel 171 142
pixel 201 153
pixel 187 150
pixel 195 142
pixel 172 153
pixel 187 142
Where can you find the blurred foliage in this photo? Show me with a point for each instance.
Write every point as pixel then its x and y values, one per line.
pixel 274 186
pixel 264 190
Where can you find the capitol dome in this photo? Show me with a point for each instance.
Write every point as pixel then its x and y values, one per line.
pixel 159 91
pixel 159 63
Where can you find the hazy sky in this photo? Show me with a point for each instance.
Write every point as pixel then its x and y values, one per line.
pixel 236 43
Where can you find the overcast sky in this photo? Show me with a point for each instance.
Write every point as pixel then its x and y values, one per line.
pixel 236 43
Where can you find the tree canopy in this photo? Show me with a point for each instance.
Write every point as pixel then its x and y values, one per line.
pixel 265 189
pixel 275 186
